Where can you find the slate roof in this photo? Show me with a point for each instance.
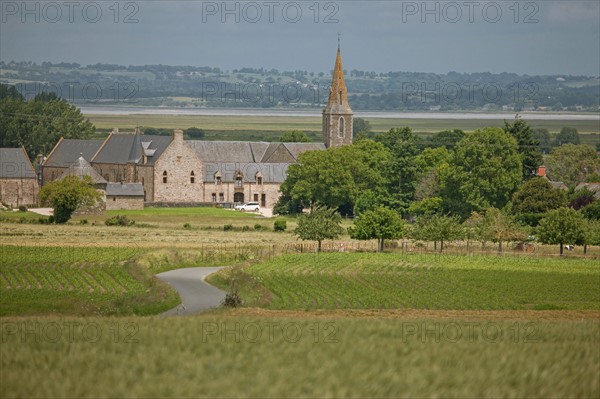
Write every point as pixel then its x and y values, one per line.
pixel 68 150
pixel 593 187
pixel 15 164
pixel 125 189
pixel 123 148
pixel 270 172
pixel 245 151
pixel 81 168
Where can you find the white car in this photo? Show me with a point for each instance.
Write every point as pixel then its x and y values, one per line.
pixel 249 206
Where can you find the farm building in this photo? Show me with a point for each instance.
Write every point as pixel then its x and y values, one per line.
pixel 18 180
pixel 174 170
pixel 121 196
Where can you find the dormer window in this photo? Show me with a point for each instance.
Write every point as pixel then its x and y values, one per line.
pixel 259 179
pixel 218 179
pixel 192 177
pixel 165 176
pixel 238 180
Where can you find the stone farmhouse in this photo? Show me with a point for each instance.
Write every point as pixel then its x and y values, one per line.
pixel 173 170
pixel 18 180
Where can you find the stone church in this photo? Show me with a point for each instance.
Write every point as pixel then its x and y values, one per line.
pixel 174 170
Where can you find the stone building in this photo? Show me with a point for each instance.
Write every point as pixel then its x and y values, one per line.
pixel 121 196
pixel 174 170
pixel 18 180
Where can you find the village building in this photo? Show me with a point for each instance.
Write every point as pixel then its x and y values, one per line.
pixel 171 170
pixel 18 180
pixel 121 196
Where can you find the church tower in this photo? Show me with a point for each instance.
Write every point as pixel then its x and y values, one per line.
pixel 337 115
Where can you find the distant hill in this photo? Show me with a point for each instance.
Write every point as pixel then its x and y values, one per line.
pixel 189 86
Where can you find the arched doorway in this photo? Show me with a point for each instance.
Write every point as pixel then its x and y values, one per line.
pixel 238 197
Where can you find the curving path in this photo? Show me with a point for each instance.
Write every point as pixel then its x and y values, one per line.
pixel 196 295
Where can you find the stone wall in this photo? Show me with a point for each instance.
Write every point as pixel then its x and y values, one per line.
pixel 178 161
pixel 117 203
pixel 16 192
pixel 250 191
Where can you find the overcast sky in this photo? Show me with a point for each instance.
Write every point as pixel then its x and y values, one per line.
pixel 526 37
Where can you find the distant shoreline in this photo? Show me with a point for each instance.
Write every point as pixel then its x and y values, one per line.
pixel 117 110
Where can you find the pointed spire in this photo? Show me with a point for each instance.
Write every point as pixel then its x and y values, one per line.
pixel 338 94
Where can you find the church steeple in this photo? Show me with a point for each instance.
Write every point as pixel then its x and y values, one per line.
pixel 337 115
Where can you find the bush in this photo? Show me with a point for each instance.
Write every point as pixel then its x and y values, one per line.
pixel 259 227
pixel 246 228
pixel 232 300
pixel 51 219
pixel 228 227
pixel 187 226
pixel 22 208
pixel 280 225
pixel 83 221
pixel 119 220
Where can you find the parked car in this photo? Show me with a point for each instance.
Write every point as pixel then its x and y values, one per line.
pixel 249 206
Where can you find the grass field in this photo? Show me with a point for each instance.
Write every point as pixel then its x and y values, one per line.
pixel 222 356
pixel 390 281
pixel 248 125
pixel 85 280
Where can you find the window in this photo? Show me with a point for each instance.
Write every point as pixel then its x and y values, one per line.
pixel 259 179
pixel 340 97
pixel 238 197
pixel 221 197
pixel 218 179
pixel 114 199
pixel 255 197
pixel 238 180
pixel 214 197
pixel 192 177
pixel 341 127
pixel 165 176
pixel 263 200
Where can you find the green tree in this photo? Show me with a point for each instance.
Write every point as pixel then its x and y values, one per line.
pixel 194 133
pixel 381 223
pixel 447 138
pixel 38 124
pixel 334 177
pixel 66 195
pixel 402 172
pixel 9 91
pixel 500 227
pixel 572 164
pixel 360 125
pixel 294 136
pixel 484 172
pixel 528 146
pixel 562 226
pixel 437 228
pixel 567 135
pixel 542 135
pixel 592 211
pixel 320 224
pixel 535 198
pixel 581 198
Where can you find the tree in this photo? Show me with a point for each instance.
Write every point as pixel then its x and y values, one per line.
pixel 320 224
pixel 67 195
pixel 38 124
pixel 499 227
pixel 294 136
pixel 536 197
pixel 592 211
pixel 194 133
pixel 447 138
pixel 402 172
pixel 542 136
pixel 9 91
pixel 360 125
pixel 528 146
pixel 572 164
pixel 484 172
pixel 381 223
pixel 562 226
pixel 581 198
pixel 436 227
pixel 334 177
pixel 567 135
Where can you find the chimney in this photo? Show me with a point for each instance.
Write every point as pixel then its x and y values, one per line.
pixel 541 171
pixel 178 135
